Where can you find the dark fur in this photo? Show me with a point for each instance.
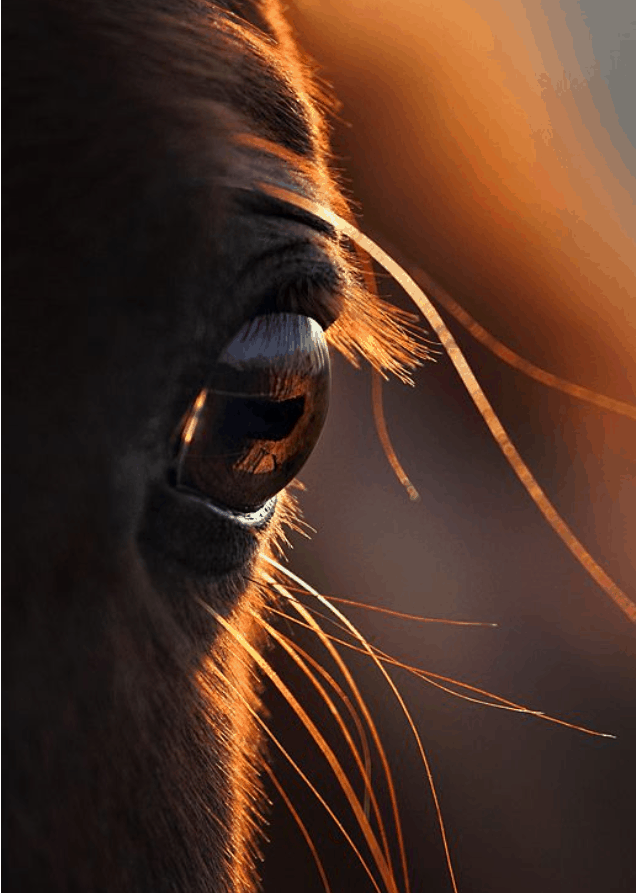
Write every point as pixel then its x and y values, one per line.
pixel 127 267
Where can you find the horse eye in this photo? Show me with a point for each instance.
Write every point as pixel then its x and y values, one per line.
pixel 256 422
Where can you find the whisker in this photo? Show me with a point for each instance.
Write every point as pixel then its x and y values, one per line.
pixel 329 679
pixel 298 655
pixel 423 674
pixel 430 677
pixel 376 389
pixel 385 439
pixel 362 820
pixel 364 741
pixel 368 648
pixel 301 825
pixel 483 336
pixel 416 618
pixel 510 452
pixel 336 657
pixel 315 613
pixel 503 703
pixel 272 737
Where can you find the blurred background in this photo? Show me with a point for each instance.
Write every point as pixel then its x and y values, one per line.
pixel 491 143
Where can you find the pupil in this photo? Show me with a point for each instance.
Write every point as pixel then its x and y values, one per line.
pixel 260 419
pixel 256 422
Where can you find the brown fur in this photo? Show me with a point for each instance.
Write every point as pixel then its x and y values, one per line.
pixel 137 131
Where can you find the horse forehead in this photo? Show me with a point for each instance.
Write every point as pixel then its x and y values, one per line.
pixel 270 90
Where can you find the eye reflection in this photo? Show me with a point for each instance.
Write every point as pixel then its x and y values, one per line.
pixel 254 425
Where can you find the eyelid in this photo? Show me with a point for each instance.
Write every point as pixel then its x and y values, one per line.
pixel 301 270
pixel 260 203
pixel 321 303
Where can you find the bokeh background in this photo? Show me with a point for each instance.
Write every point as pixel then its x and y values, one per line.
pixel 492 143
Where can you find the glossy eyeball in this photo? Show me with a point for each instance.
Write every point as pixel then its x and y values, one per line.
pixel 256 422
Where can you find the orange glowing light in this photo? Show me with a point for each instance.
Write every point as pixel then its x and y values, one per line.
pixel 504 132
pixel 193 418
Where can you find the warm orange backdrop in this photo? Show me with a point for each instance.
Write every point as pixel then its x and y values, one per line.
pixel 480 139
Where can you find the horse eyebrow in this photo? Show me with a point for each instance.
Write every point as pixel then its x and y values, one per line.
pixel 258 202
